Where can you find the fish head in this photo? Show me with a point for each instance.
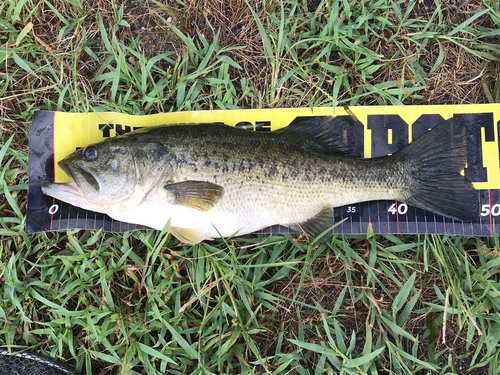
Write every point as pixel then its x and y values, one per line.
pixel 102 178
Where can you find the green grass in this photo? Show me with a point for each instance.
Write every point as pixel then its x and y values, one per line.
pixel 140 303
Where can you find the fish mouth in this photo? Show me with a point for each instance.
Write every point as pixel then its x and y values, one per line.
pixel 61 190
pixel 82 184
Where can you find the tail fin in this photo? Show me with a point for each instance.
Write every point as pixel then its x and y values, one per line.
pixel 435 161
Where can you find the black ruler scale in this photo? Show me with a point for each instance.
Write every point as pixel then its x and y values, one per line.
pixel 389 133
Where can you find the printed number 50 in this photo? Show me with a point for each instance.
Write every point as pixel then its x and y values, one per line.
pixel 495 210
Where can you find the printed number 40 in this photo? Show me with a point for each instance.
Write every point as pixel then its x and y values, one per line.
pixel 485 210
pixel 402 209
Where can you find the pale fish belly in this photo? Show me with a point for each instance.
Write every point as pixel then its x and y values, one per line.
pixel 285 204
pixel 244 209
pixel 253 205
pixel 221 220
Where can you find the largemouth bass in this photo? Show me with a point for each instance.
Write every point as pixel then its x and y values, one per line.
pixel 213 180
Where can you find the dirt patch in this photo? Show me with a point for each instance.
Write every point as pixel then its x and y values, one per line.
pixel 147 26
pixel 461 351
pixel 234 23
pixel 458 79
pixel 423 9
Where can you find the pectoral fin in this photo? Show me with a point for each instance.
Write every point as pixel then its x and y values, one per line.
pixel 317 224
pixel 195 194
pixel 190 236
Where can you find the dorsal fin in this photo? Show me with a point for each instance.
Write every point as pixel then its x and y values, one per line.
pixel 339 134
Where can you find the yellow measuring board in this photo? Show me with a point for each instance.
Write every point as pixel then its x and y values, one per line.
pixel 380 130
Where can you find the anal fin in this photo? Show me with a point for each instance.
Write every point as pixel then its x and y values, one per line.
pixel 317 224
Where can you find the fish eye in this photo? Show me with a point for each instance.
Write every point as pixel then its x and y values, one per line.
pixel 90 153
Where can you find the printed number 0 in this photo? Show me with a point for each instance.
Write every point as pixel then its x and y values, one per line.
pixel 53 209
pixel 485 210
pixel 402 209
